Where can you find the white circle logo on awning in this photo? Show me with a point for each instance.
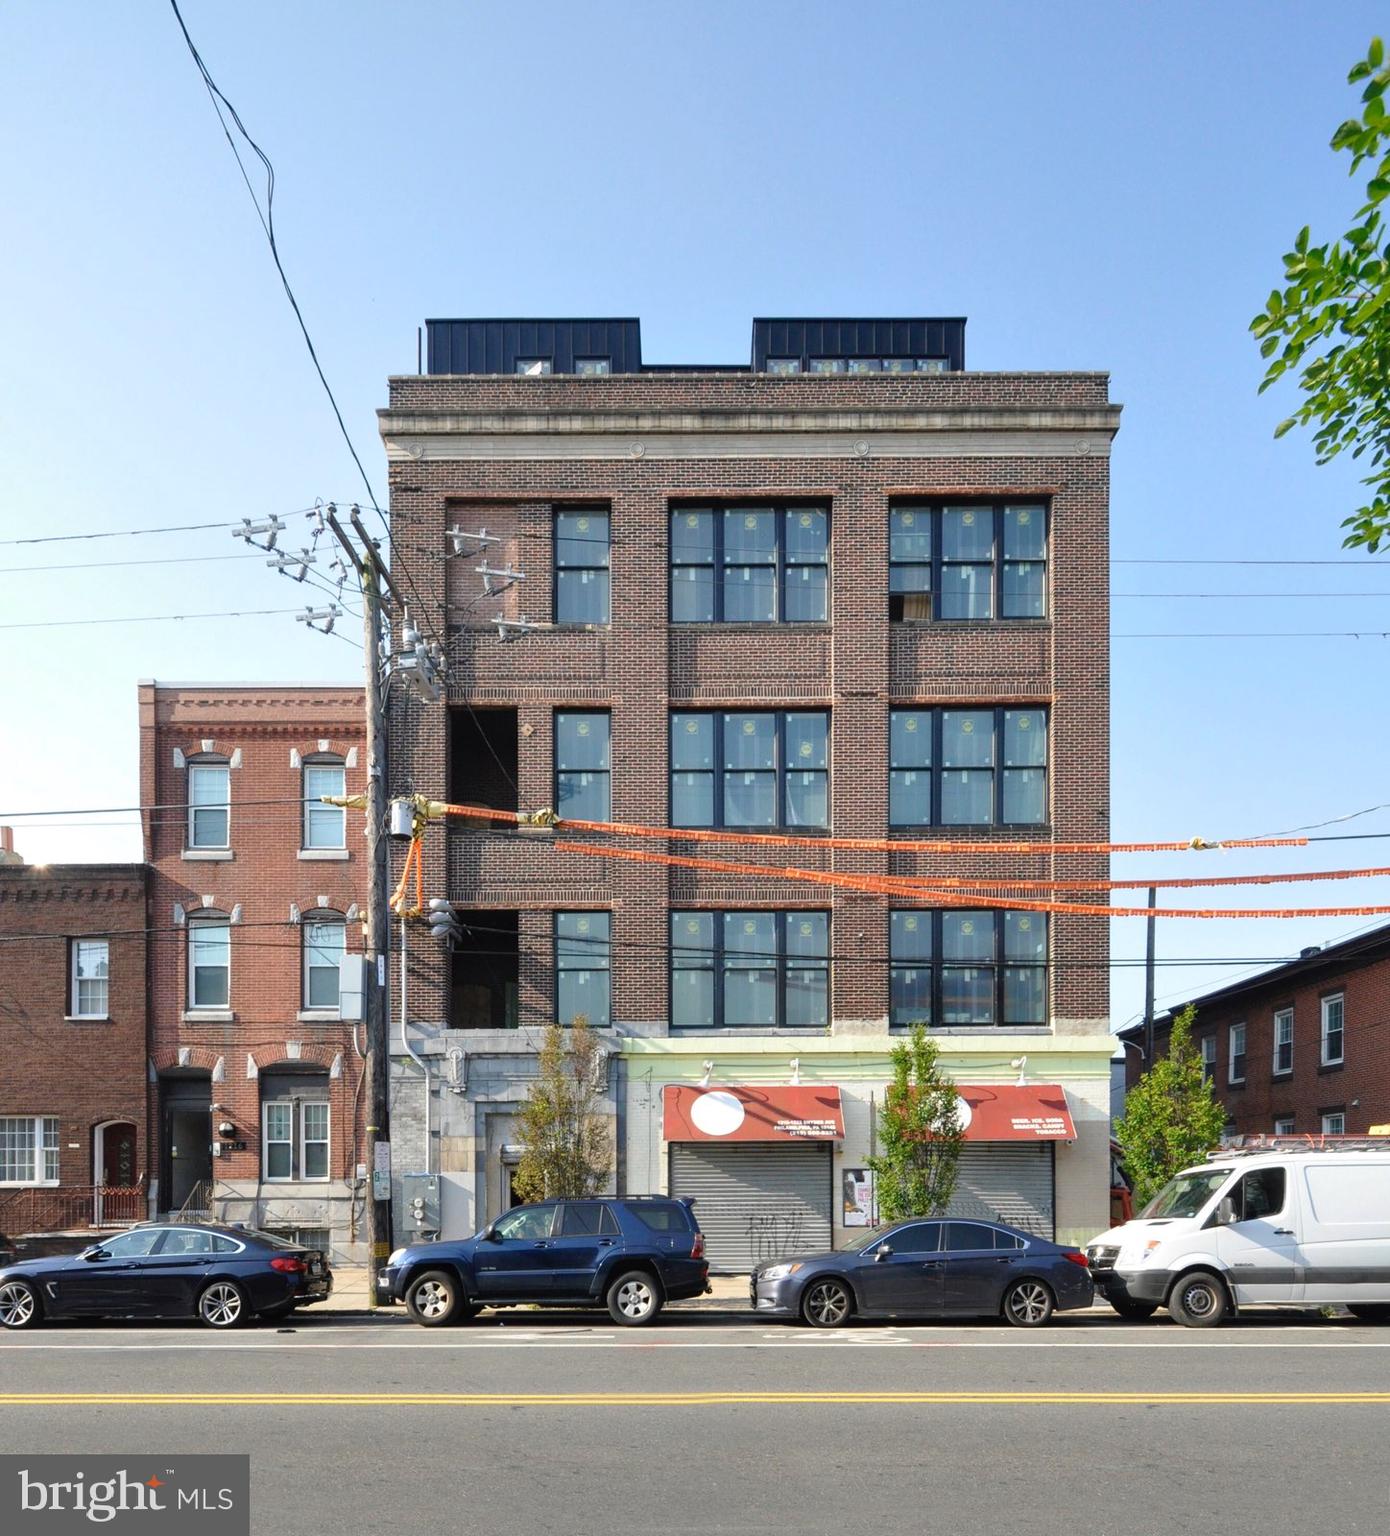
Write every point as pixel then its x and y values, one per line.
pixel 717 1113
pixel 964 1113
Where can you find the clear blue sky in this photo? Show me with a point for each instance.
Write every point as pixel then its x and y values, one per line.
pixel 1095 186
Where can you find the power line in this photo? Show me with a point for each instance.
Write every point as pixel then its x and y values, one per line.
pixel 1267 634
pixel 113 533
pixel 267 221
pixel 1229 595
pixel 153 618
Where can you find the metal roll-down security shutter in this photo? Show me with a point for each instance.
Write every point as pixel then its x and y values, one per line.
pixel 1008 1181
pixel 757 1202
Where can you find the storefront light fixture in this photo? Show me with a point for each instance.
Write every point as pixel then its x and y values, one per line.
pixel 1021 1062
pixel 709 1068
pixel 796 1071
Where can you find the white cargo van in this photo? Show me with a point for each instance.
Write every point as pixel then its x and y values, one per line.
pixel 1257 1227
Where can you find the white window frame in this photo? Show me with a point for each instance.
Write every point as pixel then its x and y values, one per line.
pixel 1341 1130
pixel 297 1141
pixel 1207 1046
pixel 1231 1053
pixel 1283 1016
pixel 320 918
pixel 281 1141
pixel 75 1008
pixel 211 920
pixel 325 1141
pixel 44 1149
pixel 1284 1125
pixel 225 805
pixel 312 802
pixel 1325 1004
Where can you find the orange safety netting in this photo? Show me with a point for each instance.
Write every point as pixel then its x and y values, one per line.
pixel 925 891
pixel 862 844
pixel 413 863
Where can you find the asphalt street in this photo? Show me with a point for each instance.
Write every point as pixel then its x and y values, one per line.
pixel 718 1423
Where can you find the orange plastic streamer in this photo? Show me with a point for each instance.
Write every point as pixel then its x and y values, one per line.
pixel 887 885
pixel 413 864
pixel 867 844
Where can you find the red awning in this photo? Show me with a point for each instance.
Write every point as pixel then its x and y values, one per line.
pixel 751 1114
pixel 1013 1112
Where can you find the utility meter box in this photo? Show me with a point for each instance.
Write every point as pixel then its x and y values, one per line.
pixel 420 1199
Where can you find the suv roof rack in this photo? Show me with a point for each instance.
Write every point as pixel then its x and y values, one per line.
pixel 624 1199
pixel 1310 1141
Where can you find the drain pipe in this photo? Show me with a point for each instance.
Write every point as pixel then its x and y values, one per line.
pixel 416 1057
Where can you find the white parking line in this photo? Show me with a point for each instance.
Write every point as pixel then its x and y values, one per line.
pixel 1273 1338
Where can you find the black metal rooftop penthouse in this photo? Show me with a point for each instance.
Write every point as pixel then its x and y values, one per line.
pixel 596 347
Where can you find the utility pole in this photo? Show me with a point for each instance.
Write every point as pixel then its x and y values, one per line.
pixel 374 1002
pixel 1149 982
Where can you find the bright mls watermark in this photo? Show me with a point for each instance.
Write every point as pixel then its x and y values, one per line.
pixel 179 1495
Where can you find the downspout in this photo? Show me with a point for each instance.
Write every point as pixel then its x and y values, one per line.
pixel 415 1056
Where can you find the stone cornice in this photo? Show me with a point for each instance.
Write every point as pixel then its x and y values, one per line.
pixel 718 433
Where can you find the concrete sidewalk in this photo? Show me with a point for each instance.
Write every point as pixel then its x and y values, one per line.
pixel 350 1292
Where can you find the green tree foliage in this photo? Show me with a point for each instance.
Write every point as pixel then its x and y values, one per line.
pixel 568 1146
pixel 1171 1117
pixel 920 1133
pixel 1331 321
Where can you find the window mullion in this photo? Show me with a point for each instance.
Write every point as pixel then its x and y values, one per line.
pixel 997 573
pixel 718 764
pixel 717 573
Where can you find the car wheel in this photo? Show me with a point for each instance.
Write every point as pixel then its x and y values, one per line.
pixel 634 1299
pixel 1133 1311
pixel 1198 1300
pixel 1028 1303
pixel 19 1305
pixel 1365 1312
pixel 223 1305
pixel 436 1299
pixel 827 1303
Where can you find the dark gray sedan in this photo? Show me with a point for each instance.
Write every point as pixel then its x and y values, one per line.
pixel 928 1269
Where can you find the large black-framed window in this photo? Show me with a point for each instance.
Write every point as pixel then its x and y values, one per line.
pixel 973 561
pixel 583 764
pixel 750 970
pixel 763 768
pixel 583 968
pixel 754 564
pixel 954 969
pixel 967 767
pixel 582 552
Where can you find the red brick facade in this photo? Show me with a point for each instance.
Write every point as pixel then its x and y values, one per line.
pixel 267 885
pixel 640 667
pixel 1356 1087
pixel 87 1072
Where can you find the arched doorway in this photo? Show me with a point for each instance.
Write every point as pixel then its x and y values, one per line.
pixel 115 1173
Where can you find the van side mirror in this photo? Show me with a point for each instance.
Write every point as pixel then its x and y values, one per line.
pixel 883 1251
pixel 1226 1213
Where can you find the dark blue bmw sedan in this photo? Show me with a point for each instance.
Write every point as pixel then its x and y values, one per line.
pixel 928 1269
pixel 221 1275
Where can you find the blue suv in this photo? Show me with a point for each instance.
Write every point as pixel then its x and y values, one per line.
pixel 631 1255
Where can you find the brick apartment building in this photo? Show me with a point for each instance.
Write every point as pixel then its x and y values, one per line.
pixel 847 589
pixel 254 893
pixel 1303 1048
pixel 73 1134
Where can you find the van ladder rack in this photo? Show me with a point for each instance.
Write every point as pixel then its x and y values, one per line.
pixel 1251 1145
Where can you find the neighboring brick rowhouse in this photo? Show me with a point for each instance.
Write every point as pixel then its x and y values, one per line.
pixel 1358 1087
pixel 636 444
pixel 267 882
pixel 88 1072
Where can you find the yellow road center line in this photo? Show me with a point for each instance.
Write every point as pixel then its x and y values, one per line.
pixel 670 1399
